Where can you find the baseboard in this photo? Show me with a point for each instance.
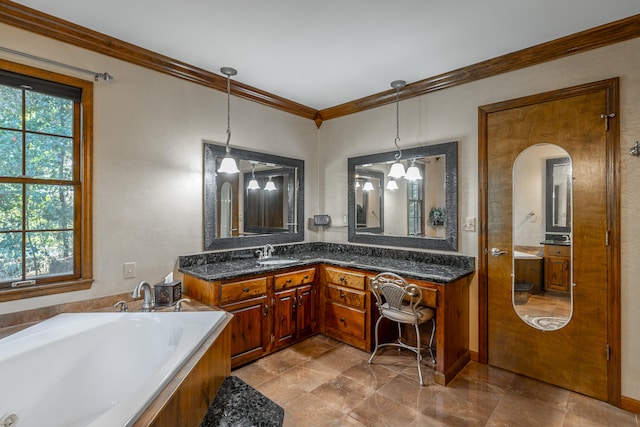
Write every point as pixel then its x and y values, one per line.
pixel 629 404
pixel 474 355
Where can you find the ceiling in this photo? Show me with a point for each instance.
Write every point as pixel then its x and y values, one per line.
pixel 322 54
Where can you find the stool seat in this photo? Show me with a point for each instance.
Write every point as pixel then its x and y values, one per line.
pixel 406 315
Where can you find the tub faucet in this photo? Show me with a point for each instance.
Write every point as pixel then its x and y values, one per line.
pixel 148 303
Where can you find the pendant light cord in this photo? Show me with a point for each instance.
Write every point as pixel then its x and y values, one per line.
pixel 228 112
pixel 397 140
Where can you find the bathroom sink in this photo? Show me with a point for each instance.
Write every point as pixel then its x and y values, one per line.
pixel 277 261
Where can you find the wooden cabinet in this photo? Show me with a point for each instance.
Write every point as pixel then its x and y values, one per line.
pixel 294 306
pixel 247 300
pixel 346 307
pixel 269 312
pixel 557 268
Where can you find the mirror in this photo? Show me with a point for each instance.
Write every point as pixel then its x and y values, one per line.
pixel 236 216
pixel 369 188
pixel 420 213
pixel 542 285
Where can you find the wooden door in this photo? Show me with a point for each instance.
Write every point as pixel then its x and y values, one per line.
pixel 284 326
pixel 576 357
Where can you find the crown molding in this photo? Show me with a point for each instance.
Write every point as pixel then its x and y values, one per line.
pixel 604 35
pixel 49 26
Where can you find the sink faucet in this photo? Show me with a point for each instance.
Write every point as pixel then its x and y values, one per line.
pixel 265 252
pixel 148 303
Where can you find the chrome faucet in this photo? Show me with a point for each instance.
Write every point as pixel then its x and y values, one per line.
pixel 148 303
pixel 265 252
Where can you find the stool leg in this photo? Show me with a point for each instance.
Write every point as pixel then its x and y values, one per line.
pixel 375 350
pixel 419 356
pixel 433 332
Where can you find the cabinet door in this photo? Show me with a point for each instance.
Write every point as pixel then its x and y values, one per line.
pixel 557 274
pixel 306 311
pixel 249 329
pixel 284 320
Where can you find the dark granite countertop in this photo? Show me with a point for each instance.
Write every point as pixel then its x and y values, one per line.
pixel 438 268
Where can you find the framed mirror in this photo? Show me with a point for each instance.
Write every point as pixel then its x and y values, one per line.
pixel 240 213
pixel 418 213
pixel 542 285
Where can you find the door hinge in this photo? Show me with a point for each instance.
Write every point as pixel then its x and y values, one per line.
pixel 608 352
pixel 273 338
pixel 606 238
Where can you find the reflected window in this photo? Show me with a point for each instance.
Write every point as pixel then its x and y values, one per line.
pixel 415 207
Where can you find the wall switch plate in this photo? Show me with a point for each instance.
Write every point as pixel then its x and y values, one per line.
pixel 469 224
pixel 129 270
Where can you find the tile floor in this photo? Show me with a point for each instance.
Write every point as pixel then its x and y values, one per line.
pixel 321 382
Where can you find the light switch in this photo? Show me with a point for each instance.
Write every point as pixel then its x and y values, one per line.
pixel 469 224
pixel 129 270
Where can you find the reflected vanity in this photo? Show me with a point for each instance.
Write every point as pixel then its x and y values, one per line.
pixel 417 213
pixel 240 213
pixel 542 290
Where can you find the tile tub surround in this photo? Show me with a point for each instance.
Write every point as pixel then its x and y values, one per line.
pixel 433 267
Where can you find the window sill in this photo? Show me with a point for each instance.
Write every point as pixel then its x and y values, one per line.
pixel 43 290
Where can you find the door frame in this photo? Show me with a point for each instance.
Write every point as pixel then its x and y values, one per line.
pixel 611 86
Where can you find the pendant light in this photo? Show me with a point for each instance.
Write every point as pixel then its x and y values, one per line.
pixel 413 173
pixel 368 186
pixel 397 169
pixel 253 183
pixel 392 185
pixel 269 186
pixel 228 164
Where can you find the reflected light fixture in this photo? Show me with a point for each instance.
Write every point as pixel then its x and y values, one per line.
pixel 413 173
pixel 367 186
pixel 392 185
pixel 397 169
pixel 228 164
pixel 269 186
pixel 253 183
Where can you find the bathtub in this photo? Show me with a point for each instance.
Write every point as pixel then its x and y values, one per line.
pixel 95 369
pixel 524 255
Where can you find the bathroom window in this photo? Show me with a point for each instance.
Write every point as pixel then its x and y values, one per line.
pixel 45 182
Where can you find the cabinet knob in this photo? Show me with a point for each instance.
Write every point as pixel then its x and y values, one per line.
pixel 288 280
pixel 342 279
pixel 246 290
pixel 266 309
pixel 342 319
pixel 341 295
pixel 306 277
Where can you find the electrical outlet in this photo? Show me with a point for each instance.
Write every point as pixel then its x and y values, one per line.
pixel 129 270
pixel 469 224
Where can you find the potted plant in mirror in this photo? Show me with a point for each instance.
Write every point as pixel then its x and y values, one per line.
pixel 437 216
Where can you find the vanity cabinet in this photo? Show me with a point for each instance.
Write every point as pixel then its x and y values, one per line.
pixel 346 307
pixel 247 300
pixel 294 307
pixel 557 268
pixel 269 311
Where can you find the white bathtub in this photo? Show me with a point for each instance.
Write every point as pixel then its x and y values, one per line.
pixel 524 255
pixel 95 369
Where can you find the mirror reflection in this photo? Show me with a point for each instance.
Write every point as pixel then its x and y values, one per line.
pixel 542 291
pixel 369 188
pixel 418 210
pixel 261 204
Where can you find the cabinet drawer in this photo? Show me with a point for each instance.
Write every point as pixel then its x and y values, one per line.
pixel 295 278
pixel 344 278
pixel 553 250
pixel 345 319
pixel 235 291
pixel 348 297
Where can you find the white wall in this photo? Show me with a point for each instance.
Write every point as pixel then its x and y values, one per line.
pixel 148 159
pixel 452 114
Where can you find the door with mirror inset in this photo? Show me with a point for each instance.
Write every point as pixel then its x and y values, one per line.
pixel 548 263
